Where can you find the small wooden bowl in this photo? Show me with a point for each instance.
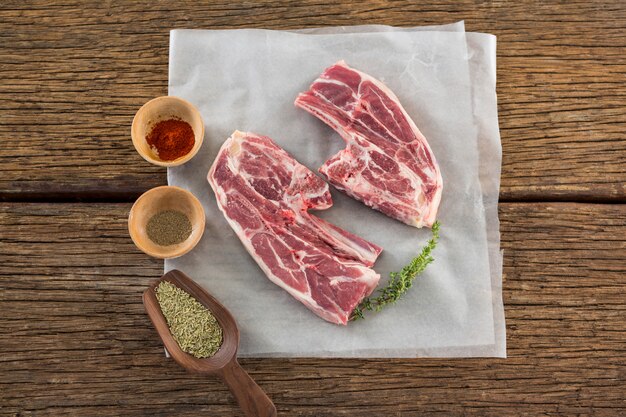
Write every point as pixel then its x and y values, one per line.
pixel 163 108
pixel 159 199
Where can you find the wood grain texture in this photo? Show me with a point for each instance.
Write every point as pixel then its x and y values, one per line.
pixel 72 74
pixel 75 340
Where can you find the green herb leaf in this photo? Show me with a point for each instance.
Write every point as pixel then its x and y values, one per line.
pixel 399 282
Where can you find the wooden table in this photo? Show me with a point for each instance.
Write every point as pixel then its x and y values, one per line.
pixel 74 339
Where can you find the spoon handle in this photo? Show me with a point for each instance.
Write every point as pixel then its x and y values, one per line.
pixel 251 398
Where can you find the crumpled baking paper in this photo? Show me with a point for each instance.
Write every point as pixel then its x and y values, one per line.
pixel 445 79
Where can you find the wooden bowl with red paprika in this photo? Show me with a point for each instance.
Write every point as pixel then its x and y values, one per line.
pixel 167 131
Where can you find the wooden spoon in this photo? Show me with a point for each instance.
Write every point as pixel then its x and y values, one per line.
pixel 251 398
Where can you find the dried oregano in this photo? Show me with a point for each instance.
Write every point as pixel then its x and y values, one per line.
pixel 194 328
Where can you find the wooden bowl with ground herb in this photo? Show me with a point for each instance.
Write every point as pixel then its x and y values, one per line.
pixel 166 222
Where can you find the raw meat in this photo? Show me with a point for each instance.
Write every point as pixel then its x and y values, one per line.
pixel 387 163
pixel 264 194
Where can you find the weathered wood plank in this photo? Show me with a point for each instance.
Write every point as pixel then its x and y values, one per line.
pixel 74 339
pixel 73 74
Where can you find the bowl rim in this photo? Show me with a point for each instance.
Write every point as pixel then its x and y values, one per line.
pixel 190 243
pixel 199 138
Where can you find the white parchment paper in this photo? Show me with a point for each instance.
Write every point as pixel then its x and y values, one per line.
pixel 445 79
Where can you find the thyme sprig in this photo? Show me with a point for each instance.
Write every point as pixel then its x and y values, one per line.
pixel 399 282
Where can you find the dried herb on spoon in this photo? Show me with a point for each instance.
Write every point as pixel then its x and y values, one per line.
pixel 399 282
pixel 194 327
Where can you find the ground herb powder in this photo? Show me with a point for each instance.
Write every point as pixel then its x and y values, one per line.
pixel 194 328
pixel 168 227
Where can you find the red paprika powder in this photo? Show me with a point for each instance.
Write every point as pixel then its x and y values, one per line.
pixel 171 139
